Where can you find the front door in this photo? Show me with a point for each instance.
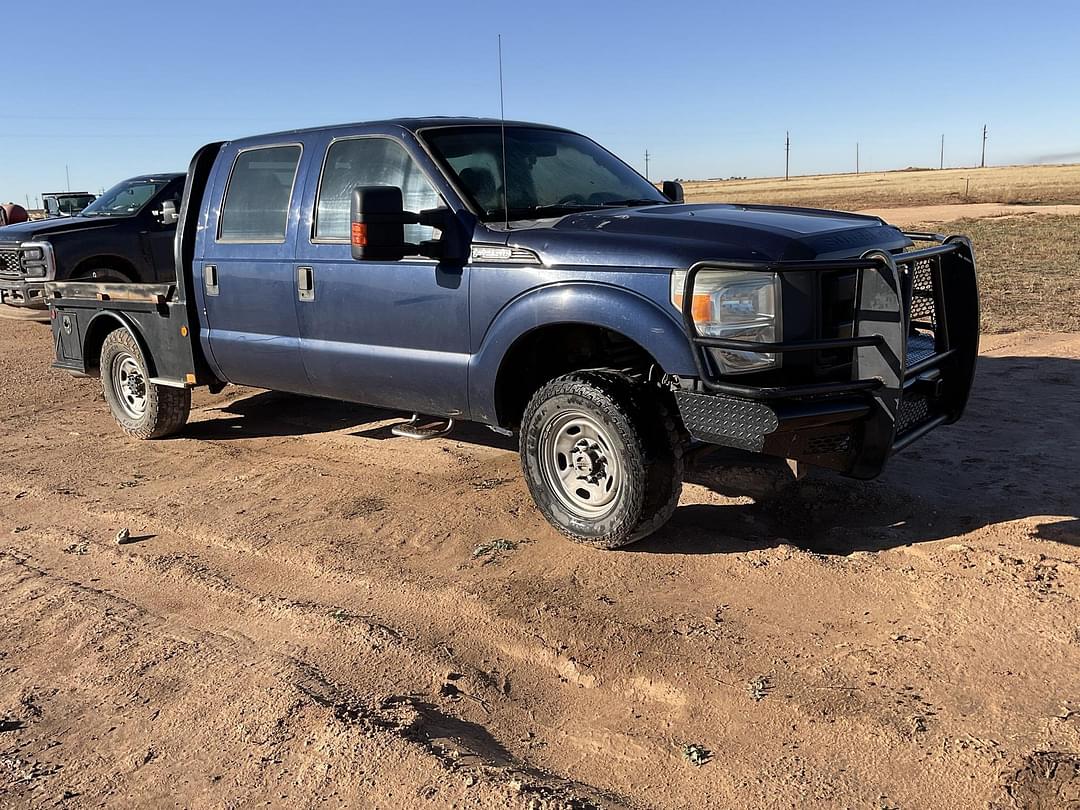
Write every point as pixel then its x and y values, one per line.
pixel 243 268
pixel 160 239
pixel 392 334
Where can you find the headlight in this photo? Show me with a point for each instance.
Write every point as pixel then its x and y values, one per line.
pixel 36 259
pixel 735 304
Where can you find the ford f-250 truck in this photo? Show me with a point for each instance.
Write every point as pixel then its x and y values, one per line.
pixel 523 277
pixel 125 235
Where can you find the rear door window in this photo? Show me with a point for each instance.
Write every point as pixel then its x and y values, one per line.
pixel 369 162
pixel 256 207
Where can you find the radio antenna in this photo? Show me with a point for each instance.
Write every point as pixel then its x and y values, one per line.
pixel 502 128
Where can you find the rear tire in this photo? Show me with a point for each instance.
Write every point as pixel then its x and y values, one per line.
pixel 602 456
pixel 144 410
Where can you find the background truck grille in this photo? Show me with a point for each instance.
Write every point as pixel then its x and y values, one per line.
pixel 9 263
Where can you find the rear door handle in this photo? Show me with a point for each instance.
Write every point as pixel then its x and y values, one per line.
pixel 210 279
pixel 305 283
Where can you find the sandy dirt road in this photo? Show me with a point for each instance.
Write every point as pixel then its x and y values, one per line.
pixel 319 614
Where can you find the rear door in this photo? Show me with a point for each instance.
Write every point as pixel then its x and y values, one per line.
pixel 393 334
pixel 244 267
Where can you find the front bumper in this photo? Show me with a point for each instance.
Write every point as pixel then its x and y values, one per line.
pixel 23 293
pixel 914 342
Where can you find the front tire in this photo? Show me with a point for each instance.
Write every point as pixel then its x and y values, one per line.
pixel 144 410
pixel 602 457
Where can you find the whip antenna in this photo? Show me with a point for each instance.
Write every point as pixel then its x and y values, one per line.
pixel 502 128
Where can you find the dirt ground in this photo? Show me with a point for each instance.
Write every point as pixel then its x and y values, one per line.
pixel 316 613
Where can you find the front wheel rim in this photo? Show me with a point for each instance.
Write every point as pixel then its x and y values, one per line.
pixel 580 465
pixel 129 385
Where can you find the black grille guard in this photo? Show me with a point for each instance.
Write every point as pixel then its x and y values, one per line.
pixel 882 327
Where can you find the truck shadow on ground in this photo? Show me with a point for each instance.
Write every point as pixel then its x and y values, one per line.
pixel 1012 456
pixel 273 413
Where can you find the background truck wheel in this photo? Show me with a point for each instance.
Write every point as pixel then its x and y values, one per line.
pixel 143 409
pixel 602 456
pixel 102 274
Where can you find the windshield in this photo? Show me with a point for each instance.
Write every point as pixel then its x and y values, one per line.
pixel 68 204
pixel 549 172
pixel 125 199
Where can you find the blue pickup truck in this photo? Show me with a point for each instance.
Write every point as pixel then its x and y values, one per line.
pixel 523 277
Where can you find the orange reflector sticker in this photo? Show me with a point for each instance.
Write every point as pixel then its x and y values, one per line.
pixel 183 331
pixel 359 234
pixel 190 378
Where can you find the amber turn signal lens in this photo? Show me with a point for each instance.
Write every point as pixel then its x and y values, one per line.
pixel 700 309
pixel 359 234
pixel 183 331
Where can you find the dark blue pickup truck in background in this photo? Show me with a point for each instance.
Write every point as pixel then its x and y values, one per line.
pixel 125 235
pixel 523 277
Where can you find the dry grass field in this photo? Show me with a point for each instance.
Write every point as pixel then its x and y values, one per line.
pixel 1008 184
pixel 1029 271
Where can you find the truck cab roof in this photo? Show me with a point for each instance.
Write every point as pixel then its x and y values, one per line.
pixel 413 125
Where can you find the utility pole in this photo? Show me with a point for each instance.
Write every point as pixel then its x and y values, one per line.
pixel 856 157
pixel 942 164
pixel 646 164
pixel 982 164
pixel 787 155
pixel 68 175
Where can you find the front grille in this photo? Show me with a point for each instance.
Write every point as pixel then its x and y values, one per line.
pixel 9 263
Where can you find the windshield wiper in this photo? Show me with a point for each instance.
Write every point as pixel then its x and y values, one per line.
pixel 630 203
pixel 561 209
pixel 555 209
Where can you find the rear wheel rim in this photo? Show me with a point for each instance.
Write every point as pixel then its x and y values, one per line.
pixel 129 385
pixel 580 465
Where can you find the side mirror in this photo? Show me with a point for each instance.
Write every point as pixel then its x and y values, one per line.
pixel 378 218
pixel 167 215
pixel 673 190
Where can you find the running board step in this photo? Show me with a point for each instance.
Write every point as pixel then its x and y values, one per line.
pixel 421 428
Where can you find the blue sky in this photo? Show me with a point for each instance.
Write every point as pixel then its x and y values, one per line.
pixel 122 88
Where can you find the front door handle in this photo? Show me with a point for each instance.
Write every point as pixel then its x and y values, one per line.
pixel 305 283
pixel 210 279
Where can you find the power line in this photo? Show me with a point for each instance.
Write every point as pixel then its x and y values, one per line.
pixel 942 164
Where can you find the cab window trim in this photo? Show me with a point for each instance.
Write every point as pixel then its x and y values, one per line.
pixel 228 185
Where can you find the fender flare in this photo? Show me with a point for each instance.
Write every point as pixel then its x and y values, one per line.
pixel 590 303
pixel 99 326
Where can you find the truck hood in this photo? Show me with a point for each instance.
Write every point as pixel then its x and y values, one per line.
pixel 680 235
pixel 38 229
